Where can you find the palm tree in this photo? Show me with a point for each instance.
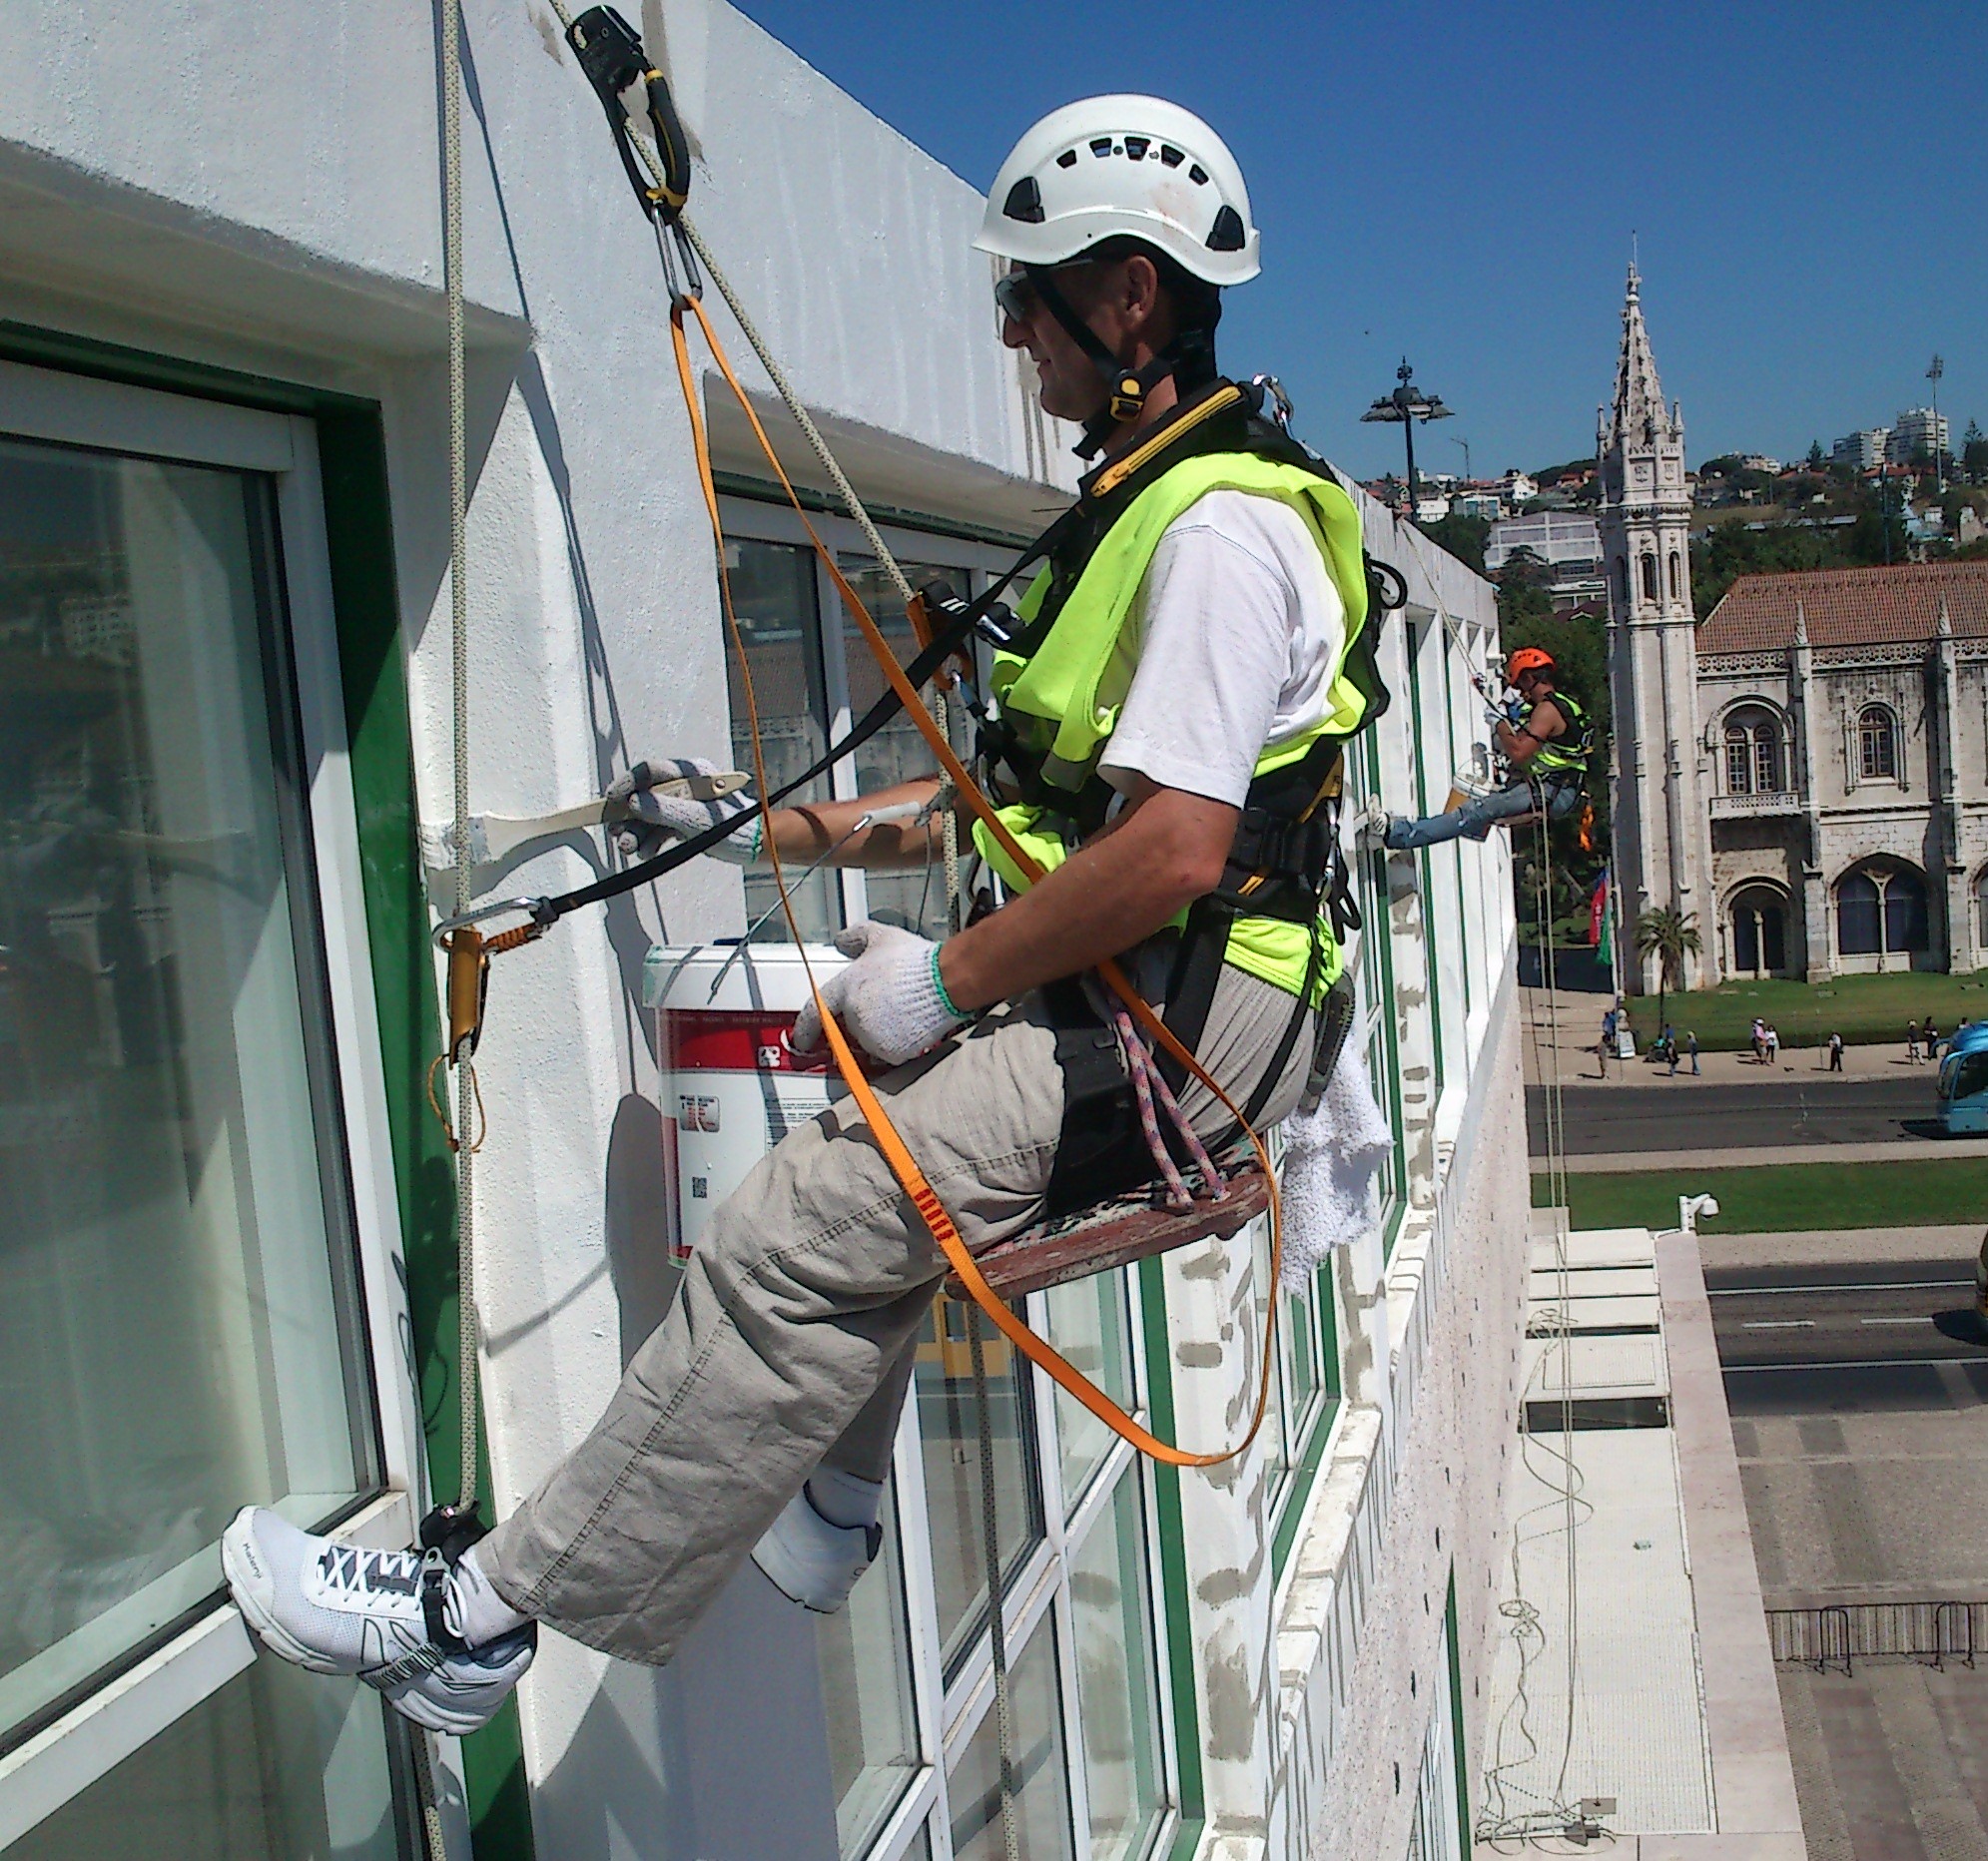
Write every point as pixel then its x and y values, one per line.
pixel 1670 936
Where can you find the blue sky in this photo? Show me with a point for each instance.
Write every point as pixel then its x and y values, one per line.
pixel 1460 181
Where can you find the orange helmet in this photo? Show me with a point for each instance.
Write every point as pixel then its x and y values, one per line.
pixel 1528 659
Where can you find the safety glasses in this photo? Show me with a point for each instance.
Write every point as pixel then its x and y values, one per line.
pixel 1015 296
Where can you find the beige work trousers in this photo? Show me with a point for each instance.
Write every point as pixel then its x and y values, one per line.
pixel 792 1338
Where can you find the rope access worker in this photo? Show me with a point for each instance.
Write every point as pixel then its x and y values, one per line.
pixel 1545 743
pixel 1182 673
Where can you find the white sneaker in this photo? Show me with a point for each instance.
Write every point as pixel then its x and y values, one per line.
pixel 812 1558
pixel 340 1609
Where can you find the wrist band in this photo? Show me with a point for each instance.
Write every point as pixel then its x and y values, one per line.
pixel 945 1000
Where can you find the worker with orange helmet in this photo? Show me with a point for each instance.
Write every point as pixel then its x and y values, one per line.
pixel 1544 740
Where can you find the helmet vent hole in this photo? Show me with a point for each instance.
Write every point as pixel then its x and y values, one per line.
pixel 1226 235
pixel 1025 202
pixel 1198 175
pixel 1100 146
pixel 1170 156
pixel 1068 158
pixel 1136 146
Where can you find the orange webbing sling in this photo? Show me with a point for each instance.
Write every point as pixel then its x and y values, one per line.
pixel 895 1152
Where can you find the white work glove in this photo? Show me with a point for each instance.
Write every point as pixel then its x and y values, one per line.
pixel 890 1000
pixel 660 819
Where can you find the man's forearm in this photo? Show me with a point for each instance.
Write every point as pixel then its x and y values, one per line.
pixel 800 835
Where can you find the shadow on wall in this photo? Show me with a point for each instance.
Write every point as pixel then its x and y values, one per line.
pixel 637 1221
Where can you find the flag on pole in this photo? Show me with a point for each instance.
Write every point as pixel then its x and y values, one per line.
pixel 1602 921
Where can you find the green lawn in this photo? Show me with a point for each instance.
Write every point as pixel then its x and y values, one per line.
pixel 1864 1010
pixel 1937 1191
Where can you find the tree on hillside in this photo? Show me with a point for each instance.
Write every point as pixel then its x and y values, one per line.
pixel 1463 537
pixel 1974 454
pixel 1670 936
pixel 1818 458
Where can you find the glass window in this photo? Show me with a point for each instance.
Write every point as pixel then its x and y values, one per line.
pixel 916 900
pixel 1878 744
pixel 1117 1679
pixel 1040 1771
pixel 780 622
pixel 1738 762
pixel 865 1657
pixel 1905 924
pixel 1858 926
pixel 1649 577
pixel 177 1308
pixel 950 1428
pixel 279 1766
pixel 1092 1326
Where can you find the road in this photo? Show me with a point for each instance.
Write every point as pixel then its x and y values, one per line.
pixel 1707 1116
pixel 1844 1336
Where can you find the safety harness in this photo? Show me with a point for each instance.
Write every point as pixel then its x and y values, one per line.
pixel 1284 864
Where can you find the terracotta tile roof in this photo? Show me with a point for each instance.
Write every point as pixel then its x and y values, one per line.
pixel 1849 607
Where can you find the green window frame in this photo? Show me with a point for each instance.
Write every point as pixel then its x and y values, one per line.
pixel 358 532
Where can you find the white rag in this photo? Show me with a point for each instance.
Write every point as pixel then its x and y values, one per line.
pixel 1333 1149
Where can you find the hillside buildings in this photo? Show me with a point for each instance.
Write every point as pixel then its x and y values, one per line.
pixel 1805 771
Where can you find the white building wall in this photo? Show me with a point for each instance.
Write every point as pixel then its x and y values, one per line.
pixel 266 200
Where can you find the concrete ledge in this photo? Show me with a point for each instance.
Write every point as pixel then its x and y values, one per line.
pixel 1753 1778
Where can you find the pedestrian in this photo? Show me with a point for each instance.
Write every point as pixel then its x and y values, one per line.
pixel 1836 1053
pixel 1760 1041
pixel 1673 1059
pixel 1606 1045
pixel 1912 1042
pixel 1691 1047
pixel 1774 1045
pixel 1932 1039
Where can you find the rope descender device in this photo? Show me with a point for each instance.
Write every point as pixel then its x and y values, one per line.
pixel 613 61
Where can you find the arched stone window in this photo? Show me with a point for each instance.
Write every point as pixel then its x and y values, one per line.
pixel 1648 576
pixel 1760 931
pixel 1981 911
pixel 1881 912
pixel 1859 919
pixel 1878 744
pixel 1754 764
pixel 1676 579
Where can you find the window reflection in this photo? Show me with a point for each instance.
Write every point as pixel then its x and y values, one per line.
pixel 915 900
pixel 950 1426
pixel 1117 1679
pixel 865 1657
pixel 1091 1325
pixel 1041 1784
pixel 773 595
pixel 174 1279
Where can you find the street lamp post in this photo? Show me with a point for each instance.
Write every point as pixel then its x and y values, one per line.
pixel 1406 404
pixel 1939 464
pixel 1465 444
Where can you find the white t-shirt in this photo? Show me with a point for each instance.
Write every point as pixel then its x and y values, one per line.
pixel 1237 627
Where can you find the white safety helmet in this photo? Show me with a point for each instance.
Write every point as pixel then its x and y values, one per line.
pixel 1123 167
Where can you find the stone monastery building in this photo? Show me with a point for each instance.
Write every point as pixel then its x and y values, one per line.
pixel 1805 770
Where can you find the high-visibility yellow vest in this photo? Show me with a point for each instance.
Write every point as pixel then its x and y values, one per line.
pixel 1063 700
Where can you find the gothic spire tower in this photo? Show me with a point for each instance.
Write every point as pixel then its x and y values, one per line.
pixel 1663 834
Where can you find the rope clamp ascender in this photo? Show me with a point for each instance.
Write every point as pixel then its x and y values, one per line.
pixel 470 951
pixel 613 61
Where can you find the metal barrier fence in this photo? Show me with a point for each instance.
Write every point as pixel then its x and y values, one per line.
pixel 1836 1636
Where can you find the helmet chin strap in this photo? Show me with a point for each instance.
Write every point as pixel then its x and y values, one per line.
pixel 1189 358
